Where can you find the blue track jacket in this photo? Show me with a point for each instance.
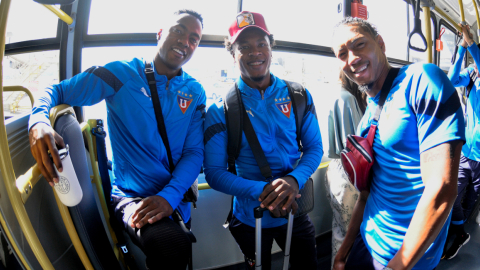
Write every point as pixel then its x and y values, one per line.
pixel 140 163
pixel 274 123
pixel 471 149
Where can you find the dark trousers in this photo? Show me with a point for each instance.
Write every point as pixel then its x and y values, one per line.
pixel 303 254
pixel 468 189
pixel 164 243
pixel 361 259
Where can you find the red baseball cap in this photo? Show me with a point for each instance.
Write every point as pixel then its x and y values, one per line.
pixel 244 20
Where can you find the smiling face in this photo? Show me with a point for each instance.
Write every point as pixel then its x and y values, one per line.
pixel 253 55
pixel 178 43
pixel 362 56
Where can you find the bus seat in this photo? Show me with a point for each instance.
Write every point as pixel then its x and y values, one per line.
pixel 41 206
pixel 85 215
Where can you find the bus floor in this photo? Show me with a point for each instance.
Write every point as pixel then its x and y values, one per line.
pixel 468 257
pixel 324 253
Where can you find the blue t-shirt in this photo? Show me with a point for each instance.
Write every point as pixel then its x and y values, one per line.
pixel 471 149
pixel 422 111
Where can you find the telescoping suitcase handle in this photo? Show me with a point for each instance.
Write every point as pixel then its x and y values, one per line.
pixel 258 214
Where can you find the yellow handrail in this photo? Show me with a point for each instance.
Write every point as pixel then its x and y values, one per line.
pixel 450 20
pixel 61 15
pixel 18 88
pixel 72 232
pixel 205 186
pixel 428 34
pixel 478 18
pixel 7 168
pixel 26 182
pixel 462 13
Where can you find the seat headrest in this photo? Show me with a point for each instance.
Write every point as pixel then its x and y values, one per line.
pixel 55 2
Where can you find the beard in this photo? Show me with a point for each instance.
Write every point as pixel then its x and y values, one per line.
pixel 258 78
pixel 365 88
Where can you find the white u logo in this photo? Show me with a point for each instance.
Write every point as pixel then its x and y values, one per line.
pixel 183 103
pixel 284 108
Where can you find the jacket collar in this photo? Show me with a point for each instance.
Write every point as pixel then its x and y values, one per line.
pixel 181 76
pixel 249 91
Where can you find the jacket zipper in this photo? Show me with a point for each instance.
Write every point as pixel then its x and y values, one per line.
pixel 359 148
pixel 168 82
pixel 261 93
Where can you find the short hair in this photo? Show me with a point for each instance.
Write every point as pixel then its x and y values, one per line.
pixel 190 12
pixel 229 45
pixel 364 24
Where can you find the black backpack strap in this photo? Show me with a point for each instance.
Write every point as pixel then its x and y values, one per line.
pixel 299 98
pixel 233 107
pixel 473 77
pixel 158 112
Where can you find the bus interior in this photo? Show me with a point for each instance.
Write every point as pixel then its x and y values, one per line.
pixel 45 44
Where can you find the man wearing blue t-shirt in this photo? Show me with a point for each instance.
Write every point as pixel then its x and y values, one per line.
pixel 145 191
pixel 402 221
pixel 469 171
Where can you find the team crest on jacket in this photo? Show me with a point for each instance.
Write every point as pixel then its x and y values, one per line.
pixel 184 102
pixel 284 105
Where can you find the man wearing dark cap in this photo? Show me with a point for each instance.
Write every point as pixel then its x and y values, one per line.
pixel 266 99
pixel 469 171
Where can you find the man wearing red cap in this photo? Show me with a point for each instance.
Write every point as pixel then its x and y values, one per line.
pixel 266 99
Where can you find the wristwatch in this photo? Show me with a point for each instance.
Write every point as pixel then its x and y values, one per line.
pixel 387 268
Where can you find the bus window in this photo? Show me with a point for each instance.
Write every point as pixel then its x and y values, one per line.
pixel 21 26
pixel 302 21
pixel 35 71
pixel 448 39
pixel 146 16
pixel 420 57
pixel 395 32
pixel 215 70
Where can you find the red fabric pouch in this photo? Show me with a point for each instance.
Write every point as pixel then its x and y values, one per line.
pixel 357 159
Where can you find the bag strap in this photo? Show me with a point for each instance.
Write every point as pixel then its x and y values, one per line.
pixel 387 85
pixel 299 98
pixel 233 107
pixel 473 77
pixel 257 150
pixel 158 112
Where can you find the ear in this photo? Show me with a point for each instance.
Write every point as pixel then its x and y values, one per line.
pixel 381 43
pixel 159 34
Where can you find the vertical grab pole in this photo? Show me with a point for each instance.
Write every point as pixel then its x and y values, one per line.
pixel 428 30
pixel 460 6
pixel 478 19
pixel 7 168
pixel 286 259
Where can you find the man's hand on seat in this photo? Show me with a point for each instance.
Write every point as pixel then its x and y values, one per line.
pixel 281 194
pixel 150 210
pixel 42 139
